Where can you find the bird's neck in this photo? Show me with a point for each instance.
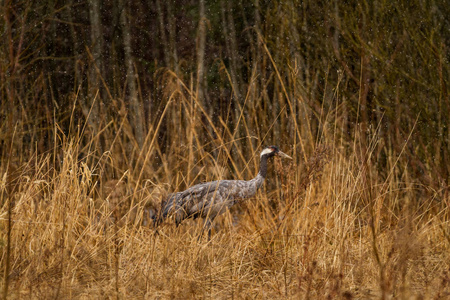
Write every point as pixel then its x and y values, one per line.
pixel 259 179
pixel 263 167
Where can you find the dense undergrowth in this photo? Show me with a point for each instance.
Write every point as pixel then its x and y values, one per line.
pixel 105 108
pixel 77 225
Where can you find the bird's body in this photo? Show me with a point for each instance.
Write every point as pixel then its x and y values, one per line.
pixel 210 199
pixel 207 200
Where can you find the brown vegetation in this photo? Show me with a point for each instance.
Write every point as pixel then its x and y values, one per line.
pixel 95 132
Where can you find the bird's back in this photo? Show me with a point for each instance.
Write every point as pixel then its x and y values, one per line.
pixel 206 199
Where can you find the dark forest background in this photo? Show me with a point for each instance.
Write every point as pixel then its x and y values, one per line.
pixel 257 68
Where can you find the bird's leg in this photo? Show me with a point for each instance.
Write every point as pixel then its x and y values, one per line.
pixel 206 226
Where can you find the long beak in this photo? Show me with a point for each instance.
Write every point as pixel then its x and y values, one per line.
pixel 283 155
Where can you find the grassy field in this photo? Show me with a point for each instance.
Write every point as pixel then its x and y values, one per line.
pixel 75 221
pixel 106 107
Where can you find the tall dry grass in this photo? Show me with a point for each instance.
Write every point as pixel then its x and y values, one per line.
pixel 332 224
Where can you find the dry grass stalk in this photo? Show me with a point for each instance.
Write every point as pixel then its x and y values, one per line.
pixel 79 218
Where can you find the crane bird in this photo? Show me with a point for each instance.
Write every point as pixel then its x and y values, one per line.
pixel 210 199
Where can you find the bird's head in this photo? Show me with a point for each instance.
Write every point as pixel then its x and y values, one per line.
pixel 273 151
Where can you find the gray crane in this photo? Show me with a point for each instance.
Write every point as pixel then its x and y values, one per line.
pixel 210 199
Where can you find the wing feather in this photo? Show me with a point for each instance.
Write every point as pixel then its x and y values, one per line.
pixel 210 198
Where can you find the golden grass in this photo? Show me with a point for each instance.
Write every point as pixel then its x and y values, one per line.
pixel 328 225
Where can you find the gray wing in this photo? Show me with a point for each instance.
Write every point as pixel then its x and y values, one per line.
pixel 206 199
pixel 201 200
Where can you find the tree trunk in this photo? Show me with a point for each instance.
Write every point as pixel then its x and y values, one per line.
pixel 94 80
pixel 136 110
pixel 162 27
pixel 234 54
pixel 172 38
pixel 201 40
pixel 231 47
